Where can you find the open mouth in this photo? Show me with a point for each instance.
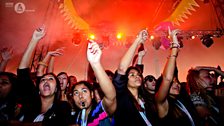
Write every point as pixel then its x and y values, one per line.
pixel 46 87
pixel 83 104
pixel 176 88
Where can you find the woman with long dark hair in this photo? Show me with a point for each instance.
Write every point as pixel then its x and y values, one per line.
pixel 40 102
pixel 131 104
pixel 89 112
pixel 202 86
pixel 172 108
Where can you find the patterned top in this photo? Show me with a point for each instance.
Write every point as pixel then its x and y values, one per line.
pixel 197 100
pixel 96 115
pixel 213 118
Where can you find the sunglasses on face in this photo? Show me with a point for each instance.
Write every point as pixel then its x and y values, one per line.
pixel 150 79
pixel 4 81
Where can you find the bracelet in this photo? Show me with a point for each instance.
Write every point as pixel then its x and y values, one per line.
pixel 174 45
pixel 175 56
pixel 42 63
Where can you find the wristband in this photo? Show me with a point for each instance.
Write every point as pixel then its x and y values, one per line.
pixel 172 56
pixel 42 63
pixel 174 45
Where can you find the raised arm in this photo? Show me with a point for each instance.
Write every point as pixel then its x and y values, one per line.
pixel 6 54
pixel 44 63
pixel 128 56
pixel 50 68
pixel 93 55
pixel 168 73
pixel 209 68
pixel 141 54
pixel 29 52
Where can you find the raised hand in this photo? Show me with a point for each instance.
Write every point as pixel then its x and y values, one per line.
pixel 143 36
pixel 142 53
pixel 173 35
pixel 57 52
pixel 39 33
pixel 6 53
pixel 93 52
pixel 209 68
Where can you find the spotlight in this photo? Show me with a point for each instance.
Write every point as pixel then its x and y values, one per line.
pixel 91 36
pixel 192 37
pixel 207 40
pixel 152 37
pixel 119 36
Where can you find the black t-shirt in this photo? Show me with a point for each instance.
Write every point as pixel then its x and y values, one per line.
pixel 58 114
pixel 126 113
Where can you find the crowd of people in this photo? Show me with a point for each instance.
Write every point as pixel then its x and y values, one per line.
pixel 121 98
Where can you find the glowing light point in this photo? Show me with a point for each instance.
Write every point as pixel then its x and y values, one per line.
pixel 91 36
pixel 119 35
pixel 152 37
